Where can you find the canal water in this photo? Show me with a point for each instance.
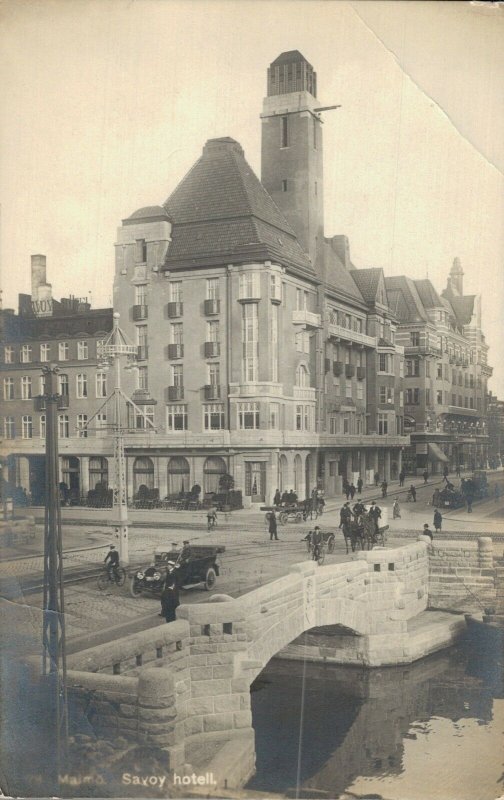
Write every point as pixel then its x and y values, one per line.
pixel 428 731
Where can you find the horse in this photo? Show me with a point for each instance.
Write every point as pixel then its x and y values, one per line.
pixel 353 531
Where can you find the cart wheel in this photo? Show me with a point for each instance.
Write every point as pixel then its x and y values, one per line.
pixel 121 576
pixel 330 544
pixel 210 579
pixel 283 517
pixel 298 517
pixel 134 587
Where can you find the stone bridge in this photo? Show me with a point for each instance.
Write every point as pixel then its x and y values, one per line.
pixel 186 685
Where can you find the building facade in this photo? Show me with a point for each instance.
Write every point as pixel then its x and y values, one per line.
pixel 263 352
pixel 66 333
pixel 446 373
pixel 495 418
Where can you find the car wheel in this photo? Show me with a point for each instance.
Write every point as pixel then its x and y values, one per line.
pixel 135 588
pixel 210 579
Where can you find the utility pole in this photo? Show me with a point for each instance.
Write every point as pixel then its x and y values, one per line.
pixel 116 347
pixel 53 634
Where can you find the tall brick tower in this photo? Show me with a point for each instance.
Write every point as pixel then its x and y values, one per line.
pixel 292 170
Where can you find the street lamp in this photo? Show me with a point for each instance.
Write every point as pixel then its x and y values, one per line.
pixel 113 349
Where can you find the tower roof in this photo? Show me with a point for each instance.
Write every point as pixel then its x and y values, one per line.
pixel 221 213
pixel 146 214
pixel 289 57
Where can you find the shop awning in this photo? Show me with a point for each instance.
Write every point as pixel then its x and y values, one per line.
pixel 435 453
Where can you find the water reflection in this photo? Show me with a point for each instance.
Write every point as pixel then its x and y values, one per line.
pixel 358 725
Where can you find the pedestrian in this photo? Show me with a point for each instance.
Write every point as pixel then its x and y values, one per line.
pixel 445 471
pixel 344 485
pixel 375 514
pixel 277 498
pixel 316 541
pixel 376 478
pixel 425 475
pixel 457 471
pixel 384 488
pixel 359 485
pixel 469 501
pixel 169 599
pixel 352 491
pixel 396 510
pixel 402 476
pixel 412 492
pixel 348 491
pixel 111 561
pixel 272 527
pixel 427 532
pixel 438 520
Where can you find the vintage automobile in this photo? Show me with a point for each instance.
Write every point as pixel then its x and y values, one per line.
pixel 193 566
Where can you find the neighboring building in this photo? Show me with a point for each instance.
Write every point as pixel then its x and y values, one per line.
pixel 264 353
pixel 446 373
pixel 495 417
pixel 66 333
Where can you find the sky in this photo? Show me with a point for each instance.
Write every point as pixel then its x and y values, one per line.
pixel 106 104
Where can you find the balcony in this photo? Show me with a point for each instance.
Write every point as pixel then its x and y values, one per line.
pixel 175 392
pixel 212 307
pixel 212 392
pixel 363 440
pixel 348 335
pixel 212 349
pixel 258 389
pixel 361 373
pixel 306 393
pixel 174 310
pixel 143 352
pixel 175 351
pixel 349 370
pixel 337 368
pixel 306 318
pixel 140 312
pixel 422 350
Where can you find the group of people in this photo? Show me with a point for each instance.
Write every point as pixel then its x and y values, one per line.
pixel 355 514
pixel 349 490
pixel 289 498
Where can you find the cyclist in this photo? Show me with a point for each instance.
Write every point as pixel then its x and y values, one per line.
pixel 211 518
pixel 112 558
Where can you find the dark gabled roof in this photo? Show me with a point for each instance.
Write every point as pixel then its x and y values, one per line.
pixel 463 308
pixel 404 300
pixel 427 293
pixel 288 57
pixel 336 276
pixel 221 213
pixel 368 281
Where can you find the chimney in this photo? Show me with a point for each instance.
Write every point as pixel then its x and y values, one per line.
pixel 40 289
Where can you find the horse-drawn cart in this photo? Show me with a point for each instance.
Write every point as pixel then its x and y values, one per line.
pixel 363 534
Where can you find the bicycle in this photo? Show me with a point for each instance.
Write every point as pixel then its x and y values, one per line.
pixel 318 552
pixel 115 575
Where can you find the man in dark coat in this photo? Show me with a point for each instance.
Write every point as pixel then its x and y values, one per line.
pixel 359 485
pixel 402 476
pixel 277 498
pixel 438 520
pixel 272 527
pixel 375 514
pixel 425 475
pixel 169 599
pixel 345 515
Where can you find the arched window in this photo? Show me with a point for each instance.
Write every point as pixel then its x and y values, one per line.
pixel 302 375
pixel 282 473
pixel 98 472
pixel 214 467
pixel 143 473
pixel 178 475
